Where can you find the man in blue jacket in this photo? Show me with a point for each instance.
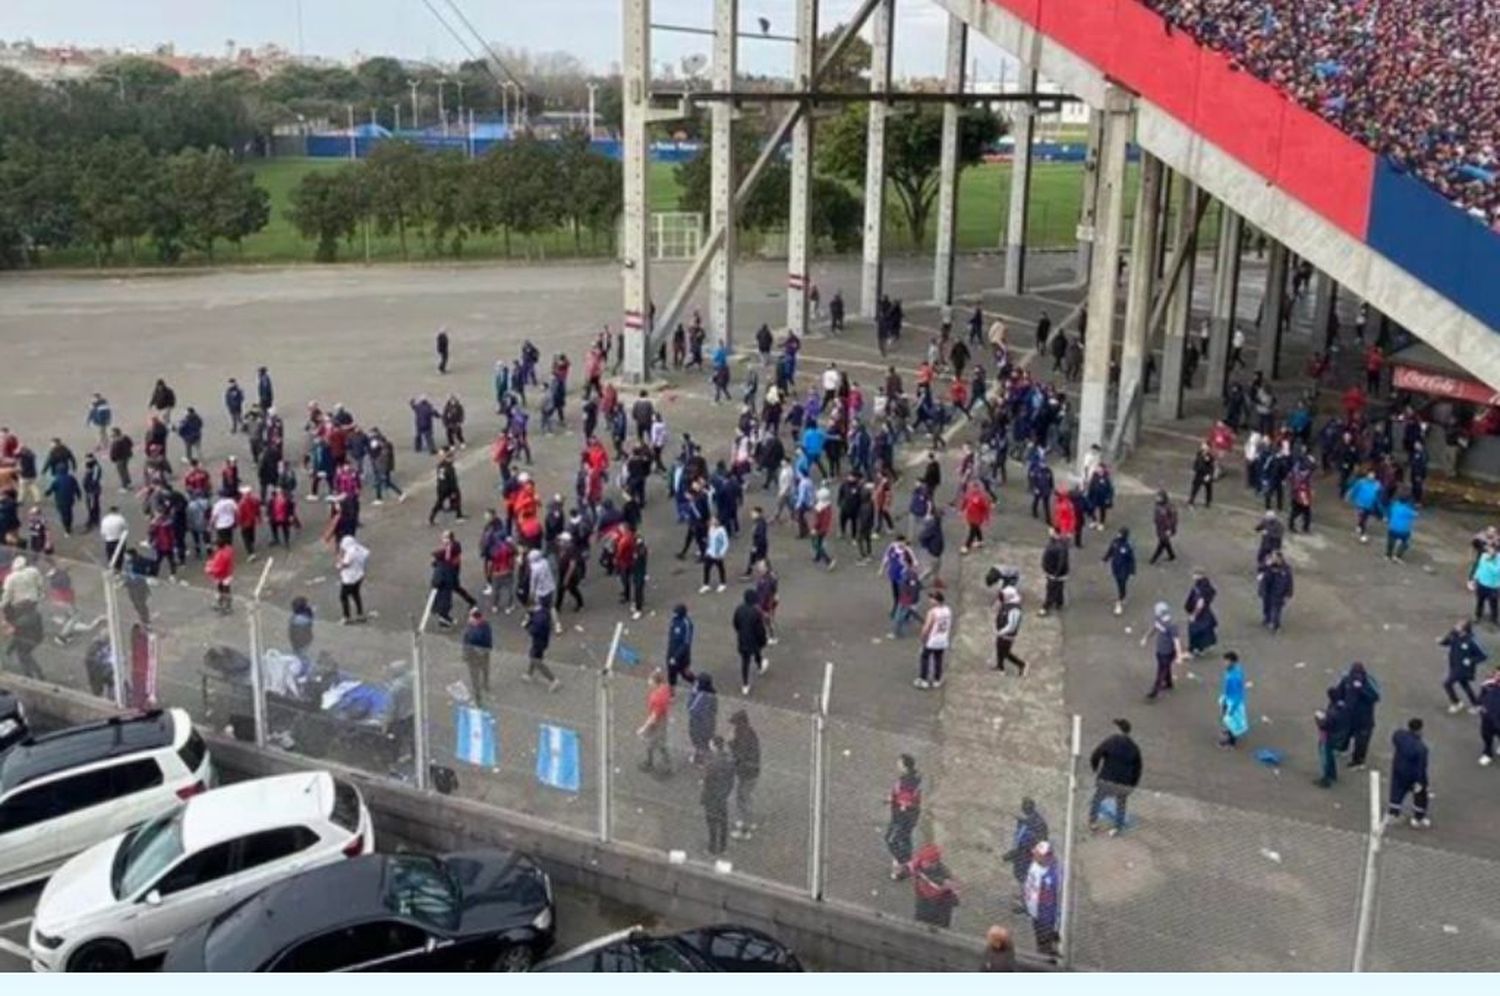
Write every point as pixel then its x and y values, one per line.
pixel 680 647
pixel 1409 775
pixel 1358 690
pixel 1398 523
pixel 1364 495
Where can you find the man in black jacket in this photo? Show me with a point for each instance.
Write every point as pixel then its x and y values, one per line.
pixel 1116 763
pixel 750 639
pixel 1055 567
pixel 1409 775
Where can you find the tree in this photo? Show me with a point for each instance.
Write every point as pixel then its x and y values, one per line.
pixel 381 79
pixel 591 184
pixel 37 207
pixel 850 72
pixel 913 144
pixel 140 78
pixel 446 205
pixel 327 205
pixel 116 181
pixel 769 202
pixel 215 198
pixel 393 182
pixel 837 215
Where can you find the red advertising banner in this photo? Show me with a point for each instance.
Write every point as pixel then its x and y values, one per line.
pixel 1443 386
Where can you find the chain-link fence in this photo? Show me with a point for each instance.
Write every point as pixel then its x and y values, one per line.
pixel 936 831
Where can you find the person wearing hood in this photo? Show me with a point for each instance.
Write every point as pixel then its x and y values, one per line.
pixel 1055 568
pixel 1164 519
pixel 1332 722
pixel 750 638
pixel 1489 717
pixel 1464 657
pixel 20 598
pixel 718 784
pixel 352 558
pixel 442 349
pixel 299 629
pixel 744 748
pixel 1275 588
pixel 680 646
pixel 64 491
pixel 1121 560
pixel 703 715
pixel 539 628
pixel 1030 830
pixel 822 525
pixel 1007 628
pixel 1232 715
pixel 1360 694
pixel 1409 775
pixel 1167 647
pixel 934 888
pixel 905 802
pixel 1043 897
pixel 1202 624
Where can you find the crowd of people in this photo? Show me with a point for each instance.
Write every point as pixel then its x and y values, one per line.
pixel 1417 81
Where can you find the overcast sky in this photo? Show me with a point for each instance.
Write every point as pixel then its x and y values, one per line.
pixel 590 29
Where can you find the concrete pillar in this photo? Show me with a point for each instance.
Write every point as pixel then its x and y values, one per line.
pixel 947 211
pixel 1225 302
pixel 1088 206
pixel 1325 306
pixel 799 230
pixel 1179 307
pixel 721 173
pixel 1145 242
pixel 1268 357
pixel 1114 122
pixel 634 243
pixel 1023 128
pixel 872 273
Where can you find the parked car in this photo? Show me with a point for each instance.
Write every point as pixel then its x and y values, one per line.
pixel 724 948
pixel 63 792
pixel 475 911
pixel 13 728
pixel 127 899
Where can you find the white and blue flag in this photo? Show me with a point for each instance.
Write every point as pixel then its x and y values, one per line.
pixel 476 739
pixel 558 757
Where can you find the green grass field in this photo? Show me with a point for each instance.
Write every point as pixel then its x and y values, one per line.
pixel 984 198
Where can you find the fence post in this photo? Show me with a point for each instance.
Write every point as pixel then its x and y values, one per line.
pixel 419 695
pixel 116 643
pixel 605 734
pixel 817 801
pixel 1367 885
pixel 257 648
pixel 1070 822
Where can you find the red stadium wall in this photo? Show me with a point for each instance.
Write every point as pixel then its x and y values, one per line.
pixel 1287 144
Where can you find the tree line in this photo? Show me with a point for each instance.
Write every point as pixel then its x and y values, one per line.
pixel 520 189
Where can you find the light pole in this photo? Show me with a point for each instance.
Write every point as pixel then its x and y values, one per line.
pixel 592 88
pixel 416 119
pixel 353 149
pixel 460 85
pixel 396 107
pixel 506 106
pixel 442 116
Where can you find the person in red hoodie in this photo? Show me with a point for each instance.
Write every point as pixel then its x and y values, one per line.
pixel 1064 514
pixel 220 568
pixel 164 542
pixel 282 515
pixel 247 516
pixel 933 886
pixel 977 508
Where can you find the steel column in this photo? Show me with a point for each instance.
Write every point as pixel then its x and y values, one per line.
pixel 1145 241
pixel 1325 306
pixel 1088 206
pixel 948 168
pixel 872 273
pixel 721 167
pixel 1225 302
pixel 1180 306
pixel 1023 128
pixel 1272 303
pixel 799 228
pixel 1114 122
pixel 634 244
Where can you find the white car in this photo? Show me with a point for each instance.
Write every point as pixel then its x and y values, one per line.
pixel 68 790
pixel 128 898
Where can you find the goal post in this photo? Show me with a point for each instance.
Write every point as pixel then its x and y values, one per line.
pixel 675 234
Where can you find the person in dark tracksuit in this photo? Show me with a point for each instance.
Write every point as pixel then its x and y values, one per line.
pixel 478 642
pixel 1117 764
pixel 1275 590
pixel 1333 737
pixel 1464 657
pixel 1359 692
pixel 1489 717
pixel 442 350
pixel 1055 567
pixel 680 646
pixel 1409 775
pixel 1121 560
pixel 718 784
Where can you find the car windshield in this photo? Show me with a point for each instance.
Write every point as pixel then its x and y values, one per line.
pixel 146 852
pixel 419 887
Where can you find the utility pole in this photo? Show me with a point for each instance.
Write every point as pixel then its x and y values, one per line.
pixel 442 115
pixel 353 150
pixel 460 85
pixel 397 108
pixel 416 119
pixel 592 88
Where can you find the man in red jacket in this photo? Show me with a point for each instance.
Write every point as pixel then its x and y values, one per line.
pixel 220 568
pixel 247 516
pixel 977 508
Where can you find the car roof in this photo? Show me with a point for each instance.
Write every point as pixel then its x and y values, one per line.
pixel 321 899
pixel 249 807
pixel 47 754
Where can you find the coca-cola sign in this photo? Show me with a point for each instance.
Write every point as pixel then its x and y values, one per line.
pixel 1444 386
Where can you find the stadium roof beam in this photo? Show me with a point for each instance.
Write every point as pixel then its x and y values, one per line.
pixel 687 29
pixel 816 97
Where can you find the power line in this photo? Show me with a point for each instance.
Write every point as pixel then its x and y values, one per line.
pixel 473 56
pixel 458 12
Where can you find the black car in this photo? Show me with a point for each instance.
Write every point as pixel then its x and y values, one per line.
pixel 13 728
pixel 480 910
pixel 725 948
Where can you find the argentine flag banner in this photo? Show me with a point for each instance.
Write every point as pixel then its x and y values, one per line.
pixel 477 742
pixel 558 757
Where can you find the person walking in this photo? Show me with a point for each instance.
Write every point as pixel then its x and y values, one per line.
pixel 1168 648
pixel 351 561
pixel 822 525
pixel 539 628
pixel 1164 519
pixel 1484 582
pixel 1232 716
pixel 1121 560
pixel 934 889
pixel 1030 830
pixel 654 730
pixel 1332 722
pixel 1055 569
pixel 977 508
pixel 680 633
pixel 1364 495
pixel 905 802
pixel 1275 586
pixel 1409 776
pixel 715 549
pixel 220 569
pixel 750 638
pixel 1007 628
pixel 1399 519
pixel 1202 624
pixel 478 643
pixel 1116 763
pixel 1205 468
pixel 1464 657
pixel 1489 717
pixel 937 636
pixel 1360 693
pixel 744 748
pixel 442 349
pixel 1043 897
pixel 447 494
pixel 703 715
pixel 718 785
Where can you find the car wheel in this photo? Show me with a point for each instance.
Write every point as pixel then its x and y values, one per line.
pixel 101 956
pixel 514 958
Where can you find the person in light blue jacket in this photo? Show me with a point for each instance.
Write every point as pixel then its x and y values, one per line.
pixel 1484 581
pixel 1232 715
pixel 1398 522
pixel 1364 495
pixel 714 552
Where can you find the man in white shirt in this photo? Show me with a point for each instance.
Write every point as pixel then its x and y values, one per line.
pixel 112 530
pixel 1236 349
pixel 222 518
pixel 937 633
pixel 831 379
pixel 352 558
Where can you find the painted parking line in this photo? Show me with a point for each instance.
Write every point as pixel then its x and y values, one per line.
pixel 24 921
pixel 17 950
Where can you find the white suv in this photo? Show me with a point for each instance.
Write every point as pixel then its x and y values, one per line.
pixel 128 898
pixel 66 791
